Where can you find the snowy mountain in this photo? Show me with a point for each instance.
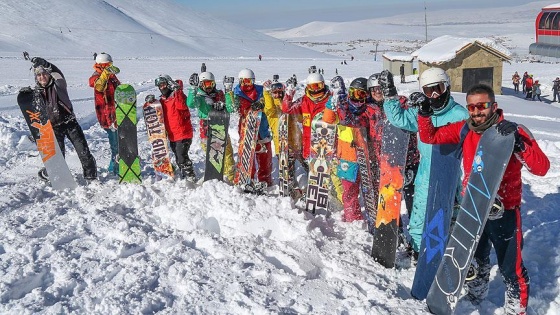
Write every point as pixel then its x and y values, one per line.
pixel 128 29
pixel 512 26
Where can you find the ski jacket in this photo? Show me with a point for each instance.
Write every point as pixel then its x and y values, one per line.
pixel 104 84
pixel 406 118
pixel 308 108
pixel 529 83
pixel 55 95
pixel 176 115
pixel 515 78
pixel 240 100
pixel 273 111
pixel 510 188
pixel 367 116
pixel 199 99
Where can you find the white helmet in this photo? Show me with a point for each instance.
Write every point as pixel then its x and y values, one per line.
pixel 373 80
pixel 434 75
pixel 103 58
pixel 206 76
pixel 315 78
pixel 246 74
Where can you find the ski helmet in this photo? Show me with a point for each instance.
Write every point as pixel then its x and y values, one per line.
pixel 103 58
pixel 163 78
pixel 315 78
pixel 373 80
pixel 315 88
pixel 246 74
pixel 206 81
pixel 358 90
pixel 433 76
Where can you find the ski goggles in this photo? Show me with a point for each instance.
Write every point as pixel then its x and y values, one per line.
pixel 246 81
pixel 207 84
pixel 161 81
pixel 480 106
pixel 357 94
pixel 375 89
pixel 315 87
pixel 434 90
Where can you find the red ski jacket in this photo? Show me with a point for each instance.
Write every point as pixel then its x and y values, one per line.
pixel 308 109
pixel 510 188
pixel 177 115
pixel 104 93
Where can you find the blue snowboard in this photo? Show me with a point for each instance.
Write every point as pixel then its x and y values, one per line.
pixel 492 156
pixel 445 174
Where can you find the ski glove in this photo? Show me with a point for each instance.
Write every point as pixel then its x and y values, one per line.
pixel 112 69
pixel 228 83
pixel 337 83
pixel 257 105
pixel 173 85
pixel 291 83
pixel 267 84
pixel 193 80
pixel 150 98
pixel 416 99
pixel 387 84
pixel 38 61
pixel 218 106
pixel 506 127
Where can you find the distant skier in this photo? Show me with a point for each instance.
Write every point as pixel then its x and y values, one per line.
pixel 104 81
pixel 503 230
pixel 52 85
pixel 178 124
pixel 401 70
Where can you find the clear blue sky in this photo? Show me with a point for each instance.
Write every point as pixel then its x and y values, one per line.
pixel 264 14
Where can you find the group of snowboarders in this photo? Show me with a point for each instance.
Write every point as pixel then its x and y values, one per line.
pixel 432 115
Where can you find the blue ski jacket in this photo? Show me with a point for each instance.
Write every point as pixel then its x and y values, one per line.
pixel 407 118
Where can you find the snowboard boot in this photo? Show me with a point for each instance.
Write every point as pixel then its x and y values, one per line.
pixel 477 289
pixel 472 271
pixel 512 306
pixel 43 174
pixel 187 171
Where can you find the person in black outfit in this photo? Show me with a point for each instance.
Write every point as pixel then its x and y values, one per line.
pixel 51 83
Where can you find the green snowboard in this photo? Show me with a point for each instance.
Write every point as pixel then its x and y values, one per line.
pixel 129 161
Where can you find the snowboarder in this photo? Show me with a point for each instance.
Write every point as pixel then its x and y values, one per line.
pixel 51 83
pixel 204 96
pixel 435 85
pixel 247 96
pixel 274 92
pixel 503 230
pixel 317 94
pixel 104 81
pixel 178 125
pixel 351 108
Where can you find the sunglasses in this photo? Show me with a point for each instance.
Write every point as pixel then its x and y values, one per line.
pixel 246 81
pixel 316 87
pixel 207 84
pixel 357 94
pixel 375 89
pixel 434 90
pixel 480 106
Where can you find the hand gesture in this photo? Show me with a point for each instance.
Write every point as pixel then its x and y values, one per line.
pixel 193 80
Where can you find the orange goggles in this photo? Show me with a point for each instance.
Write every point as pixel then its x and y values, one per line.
pixel 207 84
pixel 480 106
pixel 357 94
pixel 246 81
pixel 316 87
pixel 434 90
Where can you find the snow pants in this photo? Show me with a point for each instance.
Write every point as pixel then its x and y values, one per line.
pixel 507 237
pixel 114 145
pixel 351 200
pixel 72 130
pixel 263 157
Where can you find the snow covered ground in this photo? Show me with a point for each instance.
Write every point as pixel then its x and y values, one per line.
pixel 176 247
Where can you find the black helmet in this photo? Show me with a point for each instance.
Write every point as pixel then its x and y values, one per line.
pixel 358 90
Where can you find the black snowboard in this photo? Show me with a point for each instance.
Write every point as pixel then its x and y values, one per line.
pixel 492 156
pixel 218 124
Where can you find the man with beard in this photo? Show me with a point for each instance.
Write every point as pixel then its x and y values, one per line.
pixel 503 230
